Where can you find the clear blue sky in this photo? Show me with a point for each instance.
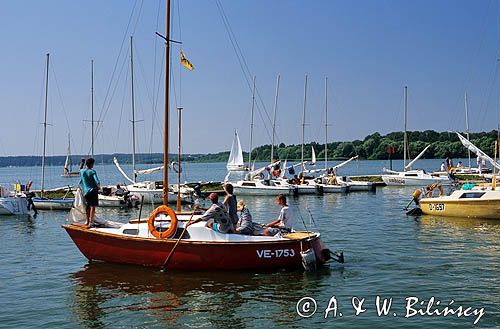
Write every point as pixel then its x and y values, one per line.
pixel 368 49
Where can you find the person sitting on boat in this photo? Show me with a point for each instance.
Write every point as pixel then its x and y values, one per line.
pixel 120 191
pixel 443 167
pixel 231 204
pixel 216 216
pixel 283 224
pixel 295 180
pixel 245 224
pixel 91 187
pixel 460 165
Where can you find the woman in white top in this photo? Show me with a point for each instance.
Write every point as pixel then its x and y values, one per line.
pixel 284 223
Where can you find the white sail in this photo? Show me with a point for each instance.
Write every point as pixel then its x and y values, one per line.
pixel 148 171
pixel 122 172
pixel 313 156
pixel 473 148
pixel 235 160
pixel 67 163
pixel 418 157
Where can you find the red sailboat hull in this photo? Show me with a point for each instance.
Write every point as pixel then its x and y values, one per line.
pixel 192 255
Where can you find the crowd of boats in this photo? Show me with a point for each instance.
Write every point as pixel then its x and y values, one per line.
pixel 164 239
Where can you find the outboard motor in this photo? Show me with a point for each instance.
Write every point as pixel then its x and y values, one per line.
pixel 295 191
pixel 319 189
pixel 308 260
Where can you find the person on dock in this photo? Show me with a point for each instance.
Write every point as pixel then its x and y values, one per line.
pixel 216 216
pixel 231 204
pixel 91 187
pixel 284 223
pixel 245 223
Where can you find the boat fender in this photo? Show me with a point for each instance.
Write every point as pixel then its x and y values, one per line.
pixel 163 210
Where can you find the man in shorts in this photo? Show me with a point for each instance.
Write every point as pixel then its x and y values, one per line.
pixel 216 216
pixel 91 187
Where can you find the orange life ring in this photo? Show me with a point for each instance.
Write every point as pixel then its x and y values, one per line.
pixel 173 222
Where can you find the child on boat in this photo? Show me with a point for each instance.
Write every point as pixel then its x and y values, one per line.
pixel 283 224
pixel 245 224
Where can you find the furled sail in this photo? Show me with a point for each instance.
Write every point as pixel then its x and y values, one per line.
pixel 473 148
pixel 121 170
pixel 418 157
pixel 236 156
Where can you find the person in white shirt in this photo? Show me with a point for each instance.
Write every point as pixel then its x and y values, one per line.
pixel 284 223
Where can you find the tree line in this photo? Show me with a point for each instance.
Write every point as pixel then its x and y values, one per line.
pixel 372 147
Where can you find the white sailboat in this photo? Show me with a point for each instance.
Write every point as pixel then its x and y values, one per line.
pixel 409 177
pixel 67 163
pixel 43 202
pixel 235 161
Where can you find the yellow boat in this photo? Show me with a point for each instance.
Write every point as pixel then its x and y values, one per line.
pixel 464 203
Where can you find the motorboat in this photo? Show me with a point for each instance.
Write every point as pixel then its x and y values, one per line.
pixel 12 203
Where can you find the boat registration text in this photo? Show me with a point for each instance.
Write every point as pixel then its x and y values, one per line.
pixel 436 206
pixel 267 253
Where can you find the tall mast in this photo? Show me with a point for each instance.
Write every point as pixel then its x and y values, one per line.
pixel 405 141
pixel 92 106
pixel 165 126
pixel 274 116
pixel 134 176
pixel 326 123
pixel 467 123
pixel 251 127
pixel 303 123
pixel 45 124
pixel 179 109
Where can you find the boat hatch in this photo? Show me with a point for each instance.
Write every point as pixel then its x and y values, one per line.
pixel 130 231
pixel 472 195
pixel 411 175
pixel 248 184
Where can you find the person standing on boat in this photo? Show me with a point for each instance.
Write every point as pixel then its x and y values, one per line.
pixel 443 167
pixel 216 216
pixel 284 222
pixel 91 187
pixel 231 204
pixel 245 223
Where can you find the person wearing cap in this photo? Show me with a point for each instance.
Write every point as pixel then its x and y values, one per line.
pixel 216 216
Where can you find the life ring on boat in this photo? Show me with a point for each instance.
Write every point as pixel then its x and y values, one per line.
pixel 173 222
pixel 176 167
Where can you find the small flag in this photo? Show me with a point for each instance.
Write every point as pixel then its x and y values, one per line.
pixel 185 62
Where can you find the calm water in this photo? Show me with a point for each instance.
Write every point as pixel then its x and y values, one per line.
pixel 47 283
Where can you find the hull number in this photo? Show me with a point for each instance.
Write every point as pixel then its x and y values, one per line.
pixel 277 253
pixel 436 206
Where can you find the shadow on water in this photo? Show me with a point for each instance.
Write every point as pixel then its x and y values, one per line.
pixel 207 299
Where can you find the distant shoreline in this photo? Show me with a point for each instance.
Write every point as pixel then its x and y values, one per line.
pixel 372 147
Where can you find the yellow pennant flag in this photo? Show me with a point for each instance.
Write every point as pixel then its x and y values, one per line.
pixel 185 62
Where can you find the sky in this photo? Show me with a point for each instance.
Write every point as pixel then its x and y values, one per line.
pixel 369 50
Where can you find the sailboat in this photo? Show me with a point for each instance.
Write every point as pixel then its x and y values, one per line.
pixel 409 177
pixel 165 241
pixel 42 202
pixel 67 163
pixel 235 161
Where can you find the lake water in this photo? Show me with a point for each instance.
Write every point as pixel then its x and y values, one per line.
pixel 46 282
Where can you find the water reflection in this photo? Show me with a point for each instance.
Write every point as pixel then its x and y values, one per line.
pixel 103 291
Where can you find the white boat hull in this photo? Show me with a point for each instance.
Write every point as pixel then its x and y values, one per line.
pixel 269 191
pixel 414 178
pixel 116 201
pixel 53 204
pixel 334 188
pixel 13 206
pixel 156 196
pixel 235 167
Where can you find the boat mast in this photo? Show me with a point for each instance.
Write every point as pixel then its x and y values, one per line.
pixel 467 123
pixel 274 116
pixel 167 80
pixel 45 124
pixel 405 141
pixel 134 175
pixel 303 123
pixel 251 127
pixel 92 106
pixel 179 109
pixel 326 123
